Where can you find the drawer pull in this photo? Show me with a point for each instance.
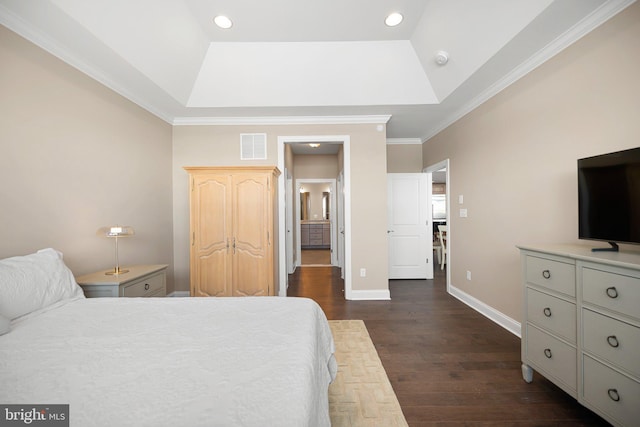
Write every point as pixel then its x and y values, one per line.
pixel 546 274
pixel 612 292
pixel 146 286
pixel 613 341
pixel 547 311
pixel 613 394
pixel 547 352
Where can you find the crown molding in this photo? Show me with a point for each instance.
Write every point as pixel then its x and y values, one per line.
pixel 281 120
pixel 394 141
pixel 575 33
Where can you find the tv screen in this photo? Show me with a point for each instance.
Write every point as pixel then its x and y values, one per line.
pixel 609 197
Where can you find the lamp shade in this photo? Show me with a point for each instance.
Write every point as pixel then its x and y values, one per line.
pixel 116 231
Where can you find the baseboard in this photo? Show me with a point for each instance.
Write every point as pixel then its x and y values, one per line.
pixel 175 294
pixel 498 317
pixel 377 295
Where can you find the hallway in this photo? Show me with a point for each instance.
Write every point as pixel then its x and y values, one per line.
pixel 316 257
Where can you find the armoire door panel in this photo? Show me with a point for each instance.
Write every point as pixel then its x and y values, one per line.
pixel 212 215
pixel 213 274
pixel 249 275
pixel 249 219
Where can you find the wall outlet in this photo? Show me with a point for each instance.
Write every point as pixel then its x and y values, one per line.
pixel 363 272
pixel 463 213
pixel 468 275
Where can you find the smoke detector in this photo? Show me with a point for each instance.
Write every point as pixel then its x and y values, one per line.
pixel 442 57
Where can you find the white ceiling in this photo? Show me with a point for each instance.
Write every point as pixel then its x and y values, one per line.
pixel 307 61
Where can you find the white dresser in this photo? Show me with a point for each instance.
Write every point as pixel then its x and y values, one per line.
pixel 139 281
pixel 581 326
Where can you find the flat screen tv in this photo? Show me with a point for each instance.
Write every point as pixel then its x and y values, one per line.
pixel 609 198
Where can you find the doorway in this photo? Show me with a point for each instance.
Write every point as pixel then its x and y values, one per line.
pixel 440 204
pixel 316 223
pixel 341 246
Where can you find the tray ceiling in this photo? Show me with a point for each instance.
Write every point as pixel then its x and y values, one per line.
pixel 295 61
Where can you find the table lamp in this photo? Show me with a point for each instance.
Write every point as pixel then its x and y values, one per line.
pixel 116 231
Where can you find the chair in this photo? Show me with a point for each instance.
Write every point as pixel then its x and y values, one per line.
pixel 437 246
pixel 442 231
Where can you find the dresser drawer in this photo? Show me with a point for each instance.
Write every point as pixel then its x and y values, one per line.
pixel 551 313
pixel 555 358
pixel 616 395
pixel 612 340
pixel 614 291
pixel 551 274
pixel 150 286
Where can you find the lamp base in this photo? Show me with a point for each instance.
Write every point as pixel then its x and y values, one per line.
pixel 116 272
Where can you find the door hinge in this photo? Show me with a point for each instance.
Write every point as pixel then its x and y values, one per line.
pixel 193 238
pixel 268 239
pixel 427 261
pixel 193 183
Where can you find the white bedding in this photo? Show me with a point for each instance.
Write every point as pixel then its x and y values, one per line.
pixel 263 361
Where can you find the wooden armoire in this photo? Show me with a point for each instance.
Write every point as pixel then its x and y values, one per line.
pixel 233 230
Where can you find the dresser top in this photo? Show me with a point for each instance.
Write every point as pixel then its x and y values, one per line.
pixel 135 272
pixel 626 257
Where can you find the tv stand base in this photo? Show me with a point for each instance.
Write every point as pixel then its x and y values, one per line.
pixel 614 248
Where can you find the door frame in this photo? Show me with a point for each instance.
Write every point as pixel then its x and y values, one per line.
pixel 289 222
pixel 340 222
pixel 345 140
pixel 434 168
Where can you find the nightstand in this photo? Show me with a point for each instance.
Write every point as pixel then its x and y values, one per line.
pixel 139 281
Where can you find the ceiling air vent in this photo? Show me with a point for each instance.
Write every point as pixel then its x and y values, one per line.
pixel 253 146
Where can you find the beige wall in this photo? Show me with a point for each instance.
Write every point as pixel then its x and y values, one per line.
pixel 317 166
pixel 404 158
pixel 76 156
pixel 514 158
pixel 219 145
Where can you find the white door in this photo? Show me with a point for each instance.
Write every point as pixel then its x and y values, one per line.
pixel 410 242
pixel 340 216
pixel 289 223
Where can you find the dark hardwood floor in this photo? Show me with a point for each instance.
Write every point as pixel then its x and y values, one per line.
pixel 448 364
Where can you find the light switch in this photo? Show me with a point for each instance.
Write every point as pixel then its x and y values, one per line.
pixel 460 199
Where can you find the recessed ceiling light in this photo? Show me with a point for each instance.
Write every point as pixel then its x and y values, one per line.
pixel 314 145
pixel 223 22
pixel 393 19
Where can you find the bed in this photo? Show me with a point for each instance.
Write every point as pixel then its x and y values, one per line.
pixel 263 361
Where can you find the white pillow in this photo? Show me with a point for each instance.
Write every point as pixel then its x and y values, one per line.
pixel 5 325
pixel 31 282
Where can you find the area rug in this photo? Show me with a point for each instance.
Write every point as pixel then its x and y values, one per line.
pixel 361 394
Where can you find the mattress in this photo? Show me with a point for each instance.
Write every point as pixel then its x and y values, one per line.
pixel 264 361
